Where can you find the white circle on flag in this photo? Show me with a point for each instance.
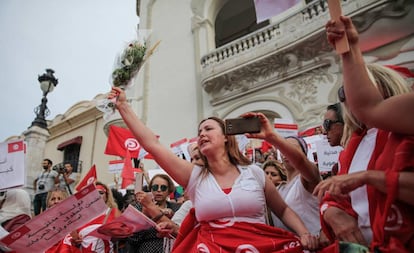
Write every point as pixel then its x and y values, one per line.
pixel 132 144
pixel 90 180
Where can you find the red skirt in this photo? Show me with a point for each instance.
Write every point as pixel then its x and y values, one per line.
pixel 233 237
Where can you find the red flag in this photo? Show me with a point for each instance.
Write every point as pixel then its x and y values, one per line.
pixel 266 146
pixel 120 140
pixel 266 9
pixel 127 172
pixel 89 178
pixel 15 146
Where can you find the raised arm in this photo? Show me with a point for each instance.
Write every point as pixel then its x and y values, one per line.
pixel 178 168
pixel 288 216
pixel 364 100
pixel 308 170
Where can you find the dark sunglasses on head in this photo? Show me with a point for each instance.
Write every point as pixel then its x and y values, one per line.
pixel 155 187
pixel 341 94
pixel 327 124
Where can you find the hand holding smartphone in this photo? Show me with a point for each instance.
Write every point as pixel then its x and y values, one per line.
pixel 242 125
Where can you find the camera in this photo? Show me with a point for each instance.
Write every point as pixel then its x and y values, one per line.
pixel 60 168
pixel 41 187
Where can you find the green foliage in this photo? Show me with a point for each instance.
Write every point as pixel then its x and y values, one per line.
pixel 131 61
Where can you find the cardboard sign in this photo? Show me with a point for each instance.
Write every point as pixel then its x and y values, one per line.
pixel 327 155
pixel 180 147
pixel 51 226
pixel 335 10
pixel 116 166
pixel 286 127
pixel 12 171
pixel 139 180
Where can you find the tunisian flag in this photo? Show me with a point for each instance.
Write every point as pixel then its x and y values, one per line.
pixel 89 178
pixel 120 140
pixel 266 9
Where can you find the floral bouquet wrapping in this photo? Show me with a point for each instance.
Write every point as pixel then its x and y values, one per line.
pixel 130 62
pixel 127 65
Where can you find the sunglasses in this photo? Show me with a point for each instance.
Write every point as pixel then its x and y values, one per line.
pixel 341 94
pixel 327 124
pixel 156 187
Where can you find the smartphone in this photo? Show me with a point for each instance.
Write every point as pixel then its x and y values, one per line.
pixel 242 125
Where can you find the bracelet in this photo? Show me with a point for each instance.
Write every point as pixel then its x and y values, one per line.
pixel 158 217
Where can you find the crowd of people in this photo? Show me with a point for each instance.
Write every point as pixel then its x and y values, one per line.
pixel 265 204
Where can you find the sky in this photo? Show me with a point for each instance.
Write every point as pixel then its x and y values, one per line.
pixel 78 39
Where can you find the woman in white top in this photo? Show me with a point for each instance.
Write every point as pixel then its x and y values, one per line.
pixel 302 175
pixel 227 193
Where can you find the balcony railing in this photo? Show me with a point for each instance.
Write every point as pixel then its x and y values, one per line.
pixel 276 37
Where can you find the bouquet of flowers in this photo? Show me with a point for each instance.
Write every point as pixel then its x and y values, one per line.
pixel 130 62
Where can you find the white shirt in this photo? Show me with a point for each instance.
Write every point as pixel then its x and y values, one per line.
pixel 302 202
pixel 359 196
pixel 245 203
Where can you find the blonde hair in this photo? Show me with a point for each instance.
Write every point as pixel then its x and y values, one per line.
pixel 110 201
pixel 63 193
pixel 388 82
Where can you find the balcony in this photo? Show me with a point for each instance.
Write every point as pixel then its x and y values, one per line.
pixel 282 50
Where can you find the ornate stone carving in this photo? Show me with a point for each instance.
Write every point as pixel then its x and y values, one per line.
pixel 275 68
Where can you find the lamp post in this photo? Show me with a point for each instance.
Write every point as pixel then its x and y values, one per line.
pixel 47 83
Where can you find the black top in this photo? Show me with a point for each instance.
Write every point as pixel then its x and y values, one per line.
pixel 147 241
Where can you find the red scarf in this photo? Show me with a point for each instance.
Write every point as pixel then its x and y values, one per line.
pixel 345 159
pixel 393 220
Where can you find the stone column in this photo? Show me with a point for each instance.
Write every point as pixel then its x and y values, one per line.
pixel 35 138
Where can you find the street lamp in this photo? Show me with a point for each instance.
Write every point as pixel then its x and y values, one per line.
pixel 47 84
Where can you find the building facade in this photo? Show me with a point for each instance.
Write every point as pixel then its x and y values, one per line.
pixel 214 60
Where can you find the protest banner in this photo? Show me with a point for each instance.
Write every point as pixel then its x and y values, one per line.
pixel 51 226
pixel 12 171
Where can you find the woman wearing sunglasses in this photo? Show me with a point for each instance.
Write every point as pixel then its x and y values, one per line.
pixel 157 207
pixel 370 201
